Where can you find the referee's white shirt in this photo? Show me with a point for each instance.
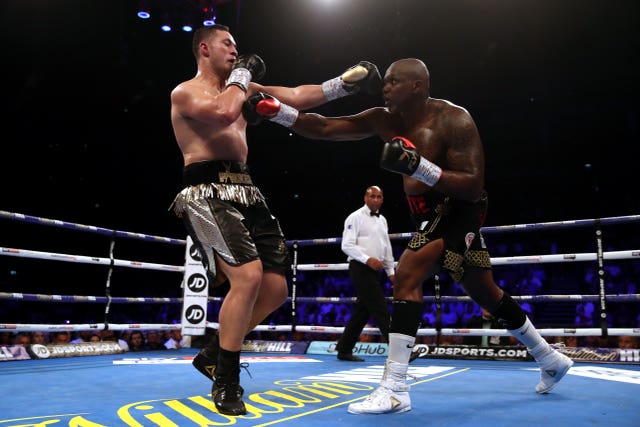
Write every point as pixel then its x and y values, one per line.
pixel 365 236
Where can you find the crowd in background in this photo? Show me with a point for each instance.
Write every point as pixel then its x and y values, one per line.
pixel 129 340
pixel 620 278
pixel 138 340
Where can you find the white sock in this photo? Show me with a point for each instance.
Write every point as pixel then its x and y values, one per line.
pixel 400 347
pixel 529 336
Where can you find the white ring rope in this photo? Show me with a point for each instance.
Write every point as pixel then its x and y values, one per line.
pixel 82 259
pixel 529 259
pixel 89 228
pixel 426 298
pixel 526 259
pixel 32 327
pixel 563 332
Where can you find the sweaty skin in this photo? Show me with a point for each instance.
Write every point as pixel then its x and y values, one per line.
pixel 208 125
pixel 445 135
pixel 442 132
pixel 206 114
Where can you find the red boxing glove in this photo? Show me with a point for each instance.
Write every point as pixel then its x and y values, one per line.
pixel 261 105
pixel 268 107
pixel 405 142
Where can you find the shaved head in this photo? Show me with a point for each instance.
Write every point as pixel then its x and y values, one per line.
pixel 411 69
pixel 414 68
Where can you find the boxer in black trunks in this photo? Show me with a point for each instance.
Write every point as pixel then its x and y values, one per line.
pixel 456 222
pixel 435 145
pixel 226 184
pixel 223 211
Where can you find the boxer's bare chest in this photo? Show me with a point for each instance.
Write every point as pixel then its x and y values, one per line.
pixel 428 139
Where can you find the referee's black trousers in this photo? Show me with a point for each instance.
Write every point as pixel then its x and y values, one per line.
pixel 370 303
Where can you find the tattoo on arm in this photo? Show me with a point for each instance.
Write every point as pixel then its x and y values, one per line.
pixel 465 150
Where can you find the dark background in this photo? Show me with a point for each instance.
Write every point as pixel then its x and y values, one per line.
pixel 552 85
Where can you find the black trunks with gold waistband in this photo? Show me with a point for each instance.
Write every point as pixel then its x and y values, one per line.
pixel 217 171
pixel 223 180
pixel 458 223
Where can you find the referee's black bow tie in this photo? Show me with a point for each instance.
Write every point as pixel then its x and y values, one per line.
pixel 374 213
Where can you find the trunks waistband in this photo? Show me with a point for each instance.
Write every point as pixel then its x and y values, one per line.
pixel 423 203
pixel 229 181
pixel 216 171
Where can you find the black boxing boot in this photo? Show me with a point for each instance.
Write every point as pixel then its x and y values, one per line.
pixel 207 358
pixel 226 391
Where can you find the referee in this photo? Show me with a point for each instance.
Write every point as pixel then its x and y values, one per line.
pixel 365 241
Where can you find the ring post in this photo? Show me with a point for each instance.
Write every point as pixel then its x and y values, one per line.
pixel 294 286
pixel 107 307
pixel 602 286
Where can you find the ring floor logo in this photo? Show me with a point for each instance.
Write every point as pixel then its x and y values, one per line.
pixel 283 400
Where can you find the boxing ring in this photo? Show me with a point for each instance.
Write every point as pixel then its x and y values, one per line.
pixel 310 387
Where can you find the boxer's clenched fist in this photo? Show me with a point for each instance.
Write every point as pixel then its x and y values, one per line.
pixel 246 68
pixel 363 77
pixel 400 155
pixel 261 105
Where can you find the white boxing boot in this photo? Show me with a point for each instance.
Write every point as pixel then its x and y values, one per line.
pixel 391 396
pixel 553 367
pixel 553 364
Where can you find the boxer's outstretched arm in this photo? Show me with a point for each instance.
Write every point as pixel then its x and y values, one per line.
pixel 346 128
pixel 359 126
pixel 363 77
pixel 301 97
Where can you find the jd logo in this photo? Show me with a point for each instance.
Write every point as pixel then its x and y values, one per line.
pixel 197 282
pixel 194 253
pixel 194 314
pixel 40 350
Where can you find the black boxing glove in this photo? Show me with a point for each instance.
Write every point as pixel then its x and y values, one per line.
pixel 249 108
pixel 400 156
pixel 362 77
pixel 246 68
pixel 261 105
pixel 371 83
